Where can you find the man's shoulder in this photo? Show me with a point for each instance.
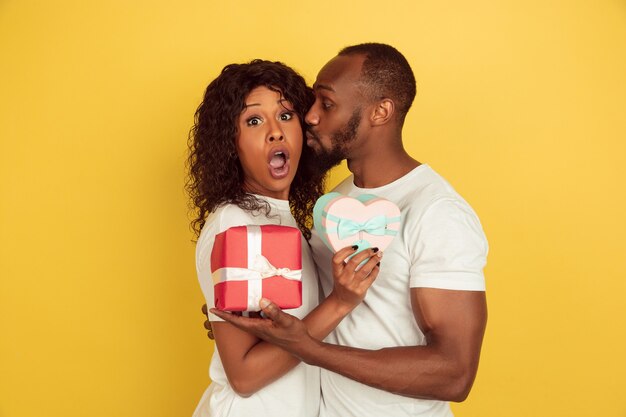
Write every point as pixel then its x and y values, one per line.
pixel 344 186
pixel 425 192
pixel 416 191
pixel 429 187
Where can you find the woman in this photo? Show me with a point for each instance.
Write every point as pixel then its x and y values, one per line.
pixel 248 166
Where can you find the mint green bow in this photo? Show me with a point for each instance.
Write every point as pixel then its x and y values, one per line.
pixel 374 226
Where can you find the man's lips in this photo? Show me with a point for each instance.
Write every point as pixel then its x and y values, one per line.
pixel 311 136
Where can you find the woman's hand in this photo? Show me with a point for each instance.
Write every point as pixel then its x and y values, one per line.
pixel 207 323
pixel 351 282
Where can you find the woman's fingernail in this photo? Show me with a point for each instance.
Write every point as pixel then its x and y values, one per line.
pixel 375 250
pixel 355 247
pixel 264 302
pixel 378 264
pixel 379 254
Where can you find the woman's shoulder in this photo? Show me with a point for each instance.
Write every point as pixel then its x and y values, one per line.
pixel 225 216
pixel 231 215
pixel 229 210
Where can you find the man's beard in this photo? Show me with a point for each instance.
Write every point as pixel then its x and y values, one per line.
pixel 327 159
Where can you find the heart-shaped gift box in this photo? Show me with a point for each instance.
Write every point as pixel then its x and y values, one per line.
pixel 366 221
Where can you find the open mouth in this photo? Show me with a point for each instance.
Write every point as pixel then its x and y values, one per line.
pixel 279 163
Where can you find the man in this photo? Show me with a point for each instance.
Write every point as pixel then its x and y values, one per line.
pixel 414 343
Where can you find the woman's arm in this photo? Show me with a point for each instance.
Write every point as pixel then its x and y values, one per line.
pixel 250 363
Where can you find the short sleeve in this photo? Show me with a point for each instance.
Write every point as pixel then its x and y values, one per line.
pixel 222 219
pixel 449 248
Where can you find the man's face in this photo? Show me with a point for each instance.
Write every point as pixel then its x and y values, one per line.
pixel 335 117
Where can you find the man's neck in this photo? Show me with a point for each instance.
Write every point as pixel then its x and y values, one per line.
pixel 381 166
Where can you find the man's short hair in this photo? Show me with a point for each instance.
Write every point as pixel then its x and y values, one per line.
pixel 385 74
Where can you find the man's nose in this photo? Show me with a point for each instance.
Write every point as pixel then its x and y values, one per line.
pixel 312 118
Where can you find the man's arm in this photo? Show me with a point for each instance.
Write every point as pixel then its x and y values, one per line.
pixel 444 369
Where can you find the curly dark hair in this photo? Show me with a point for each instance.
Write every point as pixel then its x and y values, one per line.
pixel 215 174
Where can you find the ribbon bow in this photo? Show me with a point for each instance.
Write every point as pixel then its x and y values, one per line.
pixel 266 269
pixel 374 226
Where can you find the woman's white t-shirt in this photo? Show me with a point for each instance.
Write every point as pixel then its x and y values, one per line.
pixel 297 393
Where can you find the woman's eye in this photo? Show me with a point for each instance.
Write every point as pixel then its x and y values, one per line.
pixel 326 105
pixel 286 116
pixel 253 121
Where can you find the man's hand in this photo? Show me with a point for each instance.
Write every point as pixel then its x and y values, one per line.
pixel 278 327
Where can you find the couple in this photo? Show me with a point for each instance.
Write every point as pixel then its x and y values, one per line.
pixel 399 337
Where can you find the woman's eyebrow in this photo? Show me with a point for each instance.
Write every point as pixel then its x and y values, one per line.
pixel 281 101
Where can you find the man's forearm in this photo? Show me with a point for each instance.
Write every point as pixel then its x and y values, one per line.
pixel 453 324
pixel 415 371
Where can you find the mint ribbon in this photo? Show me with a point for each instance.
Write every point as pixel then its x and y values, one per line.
pixel 374 226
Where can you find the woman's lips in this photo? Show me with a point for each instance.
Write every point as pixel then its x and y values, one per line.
pixel 280 173
pixel 279 163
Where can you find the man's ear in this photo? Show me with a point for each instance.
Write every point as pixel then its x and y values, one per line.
pixel 383 112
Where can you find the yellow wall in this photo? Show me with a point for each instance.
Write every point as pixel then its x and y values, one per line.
pixel 521 105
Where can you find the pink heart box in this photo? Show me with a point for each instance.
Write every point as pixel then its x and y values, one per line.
pixel 366 221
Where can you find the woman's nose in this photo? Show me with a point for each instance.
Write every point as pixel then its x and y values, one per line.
pixel 276 137
pixel 276 133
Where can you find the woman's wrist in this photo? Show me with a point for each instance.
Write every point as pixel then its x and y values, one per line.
pixel 342 307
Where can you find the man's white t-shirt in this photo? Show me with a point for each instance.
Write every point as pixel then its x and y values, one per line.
pixel 297 393
pixel 441 244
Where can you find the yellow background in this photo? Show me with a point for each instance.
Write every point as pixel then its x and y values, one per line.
pixel 521 105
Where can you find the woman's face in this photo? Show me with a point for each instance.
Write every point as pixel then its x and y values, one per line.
pixel 269 143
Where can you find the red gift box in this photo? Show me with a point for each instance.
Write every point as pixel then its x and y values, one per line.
pixel 250 262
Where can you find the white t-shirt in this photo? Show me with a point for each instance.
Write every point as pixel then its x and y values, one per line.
pixel 441 244
pixel 297 393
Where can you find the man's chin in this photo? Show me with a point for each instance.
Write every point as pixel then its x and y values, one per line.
pixel 325 160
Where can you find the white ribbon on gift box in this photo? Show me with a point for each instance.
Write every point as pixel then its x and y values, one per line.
pixel 258 268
